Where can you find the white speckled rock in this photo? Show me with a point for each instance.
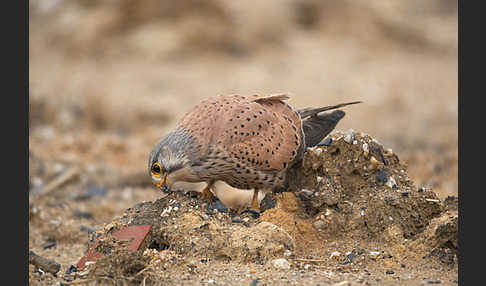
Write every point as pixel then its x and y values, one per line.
pixel 281 263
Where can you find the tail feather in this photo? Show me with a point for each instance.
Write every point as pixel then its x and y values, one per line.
pixel 317 126
pixel 306 112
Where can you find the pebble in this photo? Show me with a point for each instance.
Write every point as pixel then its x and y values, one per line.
pixel 219 206
pixel 87 229
pixel 236 220
pixel 325 142
pixel 391 183
pixel 268 203
pixel 80 214
pixel 92 192
pixel 366 149
pixel 382 176
pixel 281 263
pixel 349 136
pixel 49 244
pixel 319 224
pixel 254 282
pixel 71 269
pixel 374 161
pixel 390 272
pixel 374 254
pixel 335 254
pixel 287 253
pixel 305 194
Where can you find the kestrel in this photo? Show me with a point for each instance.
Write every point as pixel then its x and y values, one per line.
pixel 249 142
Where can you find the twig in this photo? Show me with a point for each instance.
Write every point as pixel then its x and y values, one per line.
pixel 58 181
pixel 310 260
pixel 44 263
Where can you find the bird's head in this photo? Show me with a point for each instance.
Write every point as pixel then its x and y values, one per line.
pixel 168 163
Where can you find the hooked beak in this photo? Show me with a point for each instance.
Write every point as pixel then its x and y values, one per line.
pixel 164 184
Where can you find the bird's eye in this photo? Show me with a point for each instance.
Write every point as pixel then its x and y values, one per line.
pixel 156 170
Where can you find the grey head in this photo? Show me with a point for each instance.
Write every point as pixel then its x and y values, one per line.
pixel 170 160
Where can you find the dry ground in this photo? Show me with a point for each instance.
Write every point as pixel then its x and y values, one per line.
pixel 108 79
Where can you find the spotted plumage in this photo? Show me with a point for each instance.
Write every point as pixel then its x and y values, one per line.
pixel 248 142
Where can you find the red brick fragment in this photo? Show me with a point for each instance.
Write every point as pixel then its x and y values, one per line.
pixel 137 232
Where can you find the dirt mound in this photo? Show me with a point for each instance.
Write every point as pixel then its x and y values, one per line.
pixel 350 201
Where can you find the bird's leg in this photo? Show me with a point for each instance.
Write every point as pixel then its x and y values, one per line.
pixel 206 192
pixel 254 201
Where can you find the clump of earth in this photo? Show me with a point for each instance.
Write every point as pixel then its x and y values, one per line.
pixel 350 213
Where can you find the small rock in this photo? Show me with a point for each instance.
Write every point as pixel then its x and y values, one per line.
pixel 390 272
pixel 87 229
pixel 374 254
pixel 373 161
pixel 219 206
pixel 236 220
pixel 71 269
pixel 391 183
pixel 287 253
pixel 254 282
pixel 50 243
pixel 268 203
pixel 366 149
pixel 80 214
pixel 305 194
pixel 92 192
pixel 382 176
pixel 281 263
pixel 325 142
pixel 319 224
pixel 335 254
pixel 349 136
pixel 433 282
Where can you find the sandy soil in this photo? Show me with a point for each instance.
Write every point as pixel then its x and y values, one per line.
pixel 108 79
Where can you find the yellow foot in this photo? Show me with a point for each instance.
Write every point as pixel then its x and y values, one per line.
pixel 254 202
pixel 207 194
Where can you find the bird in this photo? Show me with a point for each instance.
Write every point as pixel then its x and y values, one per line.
pixel 247 141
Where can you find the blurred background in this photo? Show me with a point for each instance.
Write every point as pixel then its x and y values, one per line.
pixel 109 78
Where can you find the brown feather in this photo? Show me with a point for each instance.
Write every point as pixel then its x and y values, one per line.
pixel 263 132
